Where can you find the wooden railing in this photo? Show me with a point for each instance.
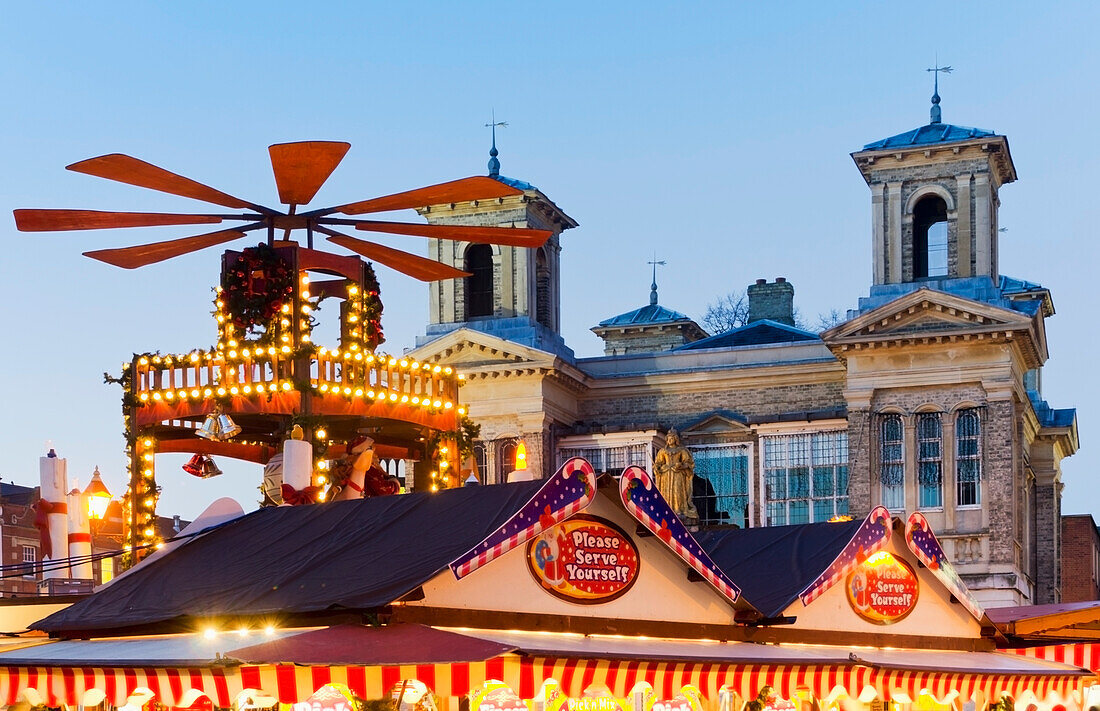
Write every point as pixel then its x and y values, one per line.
pixel 201 376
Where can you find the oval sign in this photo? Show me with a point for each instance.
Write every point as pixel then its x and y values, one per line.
pixel 883 589
pixel 586 560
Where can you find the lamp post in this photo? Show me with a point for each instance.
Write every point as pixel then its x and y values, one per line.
pixel 97 498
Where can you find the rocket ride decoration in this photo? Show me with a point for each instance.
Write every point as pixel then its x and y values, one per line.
pixel 644 502
pixel 873 536
pixel 569 491
pixel 265 372
pixel 923 543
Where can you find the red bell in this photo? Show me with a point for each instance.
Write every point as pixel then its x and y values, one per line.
pixel 194 465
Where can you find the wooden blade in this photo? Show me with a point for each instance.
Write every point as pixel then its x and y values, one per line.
pixel 479 187
pixel 62 220
pixel 302 168
pixel 512 236
pixel 417 267
pixel 143 254
pixel 129 170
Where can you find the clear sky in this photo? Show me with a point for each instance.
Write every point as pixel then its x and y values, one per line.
pixel 716 135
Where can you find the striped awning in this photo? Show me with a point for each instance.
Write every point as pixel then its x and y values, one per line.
pixel 525 675
pixel 1079 654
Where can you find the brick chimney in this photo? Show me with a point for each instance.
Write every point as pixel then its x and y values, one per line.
pixel 774 301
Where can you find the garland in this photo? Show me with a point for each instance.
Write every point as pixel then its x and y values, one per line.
pixel 372 310
pixel 255 284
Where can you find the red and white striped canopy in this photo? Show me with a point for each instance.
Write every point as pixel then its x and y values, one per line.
pixel 524 674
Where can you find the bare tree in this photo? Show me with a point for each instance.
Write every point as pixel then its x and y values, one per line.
pixel 833 317
pixel 728 312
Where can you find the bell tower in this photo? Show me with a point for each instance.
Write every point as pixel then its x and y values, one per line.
pixel 513 293
pixel 935 192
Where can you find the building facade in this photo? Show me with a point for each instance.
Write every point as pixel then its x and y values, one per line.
pixel 1080 558
pixel 927 397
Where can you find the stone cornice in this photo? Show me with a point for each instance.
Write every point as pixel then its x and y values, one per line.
pixel 994 148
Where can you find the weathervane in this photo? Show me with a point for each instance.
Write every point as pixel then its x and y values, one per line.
pixel 653 287
pixel 936 89
pixel 494 164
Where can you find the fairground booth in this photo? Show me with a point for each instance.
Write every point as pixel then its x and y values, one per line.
pixel 568 594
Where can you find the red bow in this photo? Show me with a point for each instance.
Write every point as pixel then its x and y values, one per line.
pixel 42 511
pixel 297 497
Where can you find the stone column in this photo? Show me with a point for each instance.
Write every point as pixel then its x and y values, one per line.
pixel 894 271
pixel 1048 538
pixel 878 236
pixel 909 453
pixel 983 226
pixel 861 439
pixel 504 299
pixel 962 229
pixel 947 454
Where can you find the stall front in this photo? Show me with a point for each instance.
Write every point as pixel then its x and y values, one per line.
pixel 564 594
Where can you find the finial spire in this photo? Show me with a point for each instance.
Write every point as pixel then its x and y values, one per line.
pixel 653 286
pixel 494 164
pixel 935 114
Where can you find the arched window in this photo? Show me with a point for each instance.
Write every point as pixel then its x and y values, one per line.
pixel 930 237
pixel 968 458
pixel 930 460
pixel 479 285
pixel 892 462
pixel 542 289
pixel 481 463
pixel 506 458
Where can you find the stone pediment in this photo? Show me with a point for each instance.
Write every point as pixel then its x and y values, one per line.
pixel 720 422
pixel 927 316
pixel 467 347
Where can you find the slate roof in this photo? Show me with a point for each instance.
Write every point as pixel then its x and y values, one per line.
pixel 774 564
pixel 286 560
pixel 930 134
pixel 1048 416
pixel 1010 285
pixel 513 182
pixel 757 333
pixel 648 314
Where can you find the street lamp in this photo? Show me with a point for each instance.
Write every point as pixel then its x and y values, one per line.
pixel 97 497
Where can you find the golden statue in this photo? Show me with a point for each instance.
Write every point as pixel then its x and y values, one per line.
pixel 675 470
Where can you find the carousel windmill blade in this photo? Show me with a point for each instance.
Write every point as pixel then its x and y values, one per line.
pixel 302 168
pixel 132 171
pixel 510 236
pixel 34 220
pixel 415 266
pixel 478 187
pixel 144 254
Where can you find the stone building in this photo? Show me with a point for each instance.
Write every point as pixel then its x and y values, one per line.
pixel 928 397
pixel 1080 558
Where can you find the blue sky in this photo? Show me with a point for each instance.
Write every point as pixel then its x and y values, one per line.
pixel 715 135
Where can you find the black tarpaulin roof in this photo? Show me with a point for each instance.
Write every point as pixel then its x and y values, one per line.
pixel 349 555
pixel 774 564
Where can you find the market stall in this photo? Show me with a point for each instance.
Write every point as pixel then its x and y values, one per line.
pixel 569 594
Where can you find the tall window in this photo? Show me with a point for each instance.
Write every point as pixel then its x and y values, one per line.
pixel 968 458
pixel 542 289
pixel 479 285
pixel 30 559
pixel 805 477
pixel 506 458
pixel 481 463
pixel 892 462
pixel 930 237
pixel 608 459
pixel 721 485
pixel 930 460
